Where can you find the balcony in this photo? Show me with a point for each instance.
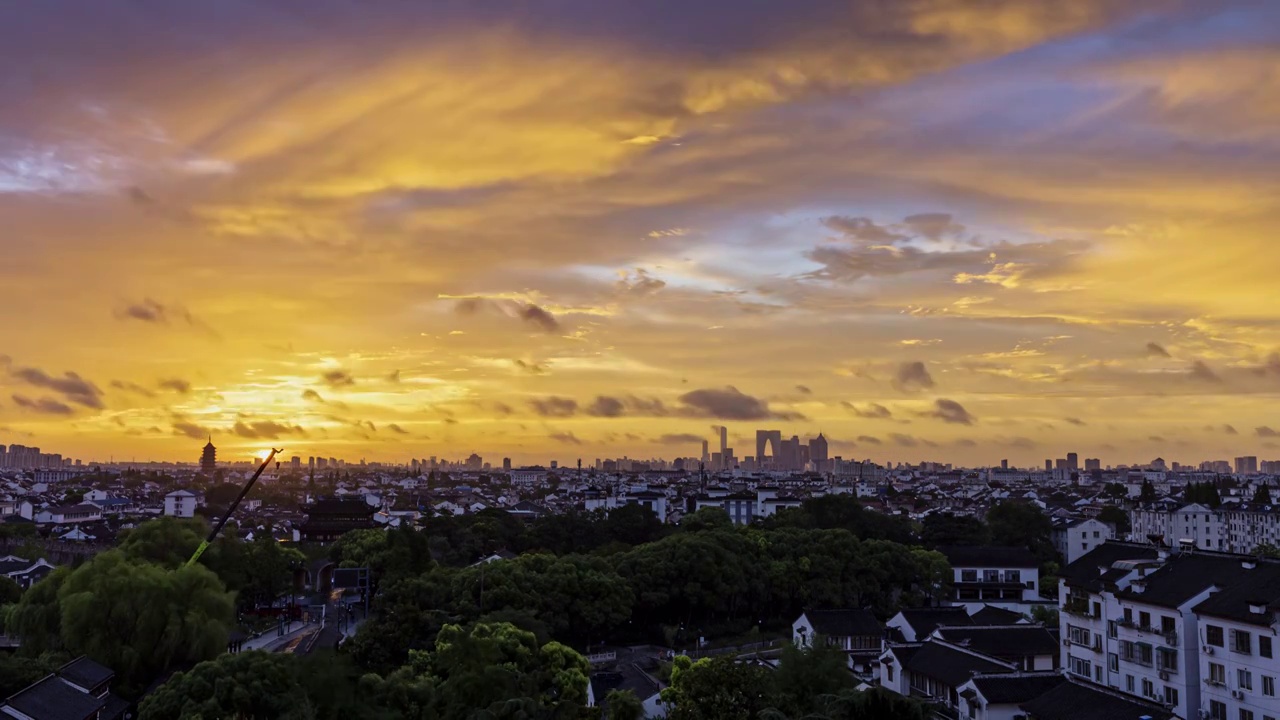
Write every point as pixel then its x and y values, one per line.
pixel 1079 608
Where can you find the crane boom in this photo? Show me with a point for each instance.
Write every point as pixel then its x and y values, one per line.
pixel 204 544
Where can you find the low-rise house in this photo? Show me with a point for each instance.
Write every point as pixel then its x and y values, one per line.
pixel 999 696
pixel 915 625
pixel 1007 577
pixel 1075 700
pixel 79 690
pixel 1029 647
pixel 935 670
pixel 856 632
pixel 67 514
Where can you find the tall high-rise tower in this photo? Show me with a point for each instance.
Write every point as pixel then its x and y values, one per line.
pixel 724 440
pixel 818 452
pixel 209 458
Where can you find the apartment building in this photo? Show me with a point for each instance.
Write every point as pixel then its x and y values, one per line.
pixel 1138 619
pixel 1232 527
pixel 1075 538
pixel 1003 577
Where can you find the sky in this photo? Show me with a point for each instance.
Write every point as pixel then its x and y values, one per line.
pixel 952 230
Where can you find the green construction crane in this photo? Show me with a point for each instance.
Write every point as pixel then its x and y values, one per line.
pixel 204 545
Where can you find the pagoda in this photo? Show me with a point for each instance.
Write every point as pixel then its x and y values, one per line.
pixel 209 458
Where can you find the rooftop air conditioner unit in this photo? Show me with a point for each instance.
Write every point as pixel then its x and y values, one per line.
pixel 1164 675
pixel 1208 649
pixel 1237 694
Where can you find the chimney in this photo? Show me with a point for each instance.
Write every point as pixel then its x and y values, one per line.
pixel 1249 564
pixel 1257 607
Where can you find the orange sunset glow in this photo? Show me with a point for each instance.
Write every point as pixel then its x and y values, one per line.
pixel 929 229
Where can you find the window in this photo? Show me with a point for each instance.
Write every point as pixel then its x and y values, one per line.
pixel 1246 714
pixel 1113 662
pixel 1217 710
pixel 1111 628
pixel 1244 679
pixel 1148 688
pixel 1128 683
pixel 1217 673
pixel 889 667
pixel 1167 624
pixel 1128 615
pixel 1264 646
pixel 1167 659
pixel 1242 642
pixel 1080 666
pixel 1078 635
pixel 1144 619
pixel 1170 695
pixel 1095 533
pixel 968 576
pixel 1013 576
pixel 990 576
pixel 1213 635
pixel 1268 686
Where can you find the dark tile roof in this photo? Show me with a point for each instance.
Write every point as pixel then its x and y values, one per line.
pixel 991 615
pixel 53 699
pixel 86 673
pixel 951 666
pixel 1016 688
pixel 990 556
pixel 1072 701
pixel 1088 571
pixel 925 620
pixel 844 623
pixel 1017 641
pixel 116 707
pixel 1184 576
pixel 1257 587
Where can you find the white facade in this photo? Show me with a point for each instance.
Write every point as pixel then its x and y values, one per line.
pixel 1075 539
pixel 180 504
pixel 1238 678
pixel 1232 527
pixel 1137 648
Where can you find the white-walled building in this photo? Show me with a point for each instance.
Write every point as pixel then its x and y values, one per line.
pixel 1004 577
pixel 1138 619
pixel 1075 538
pixel 180 504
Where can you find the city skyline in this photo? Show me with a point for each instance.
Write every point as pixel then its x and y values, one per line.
pixel 926 230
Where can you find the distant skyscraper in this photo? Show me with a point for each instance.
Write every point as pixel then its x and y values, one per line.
pixel 724 441
pixel 1004 464
pixel 295 462
pixel 1048 465
pixel 818 452
pixel 1073 461
pixel 1060 463
pixel 706 456
pixel 506 463
pixel 1092 464
pixel 772 438
pixel 1246 465
pixel 209 458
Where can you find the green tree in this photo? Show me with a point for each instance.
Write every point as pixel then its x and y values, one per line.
pixel 495 668
pixel 875 704
pixel 623 705
pixel 717 689
pixel 633 524
pixel 940 529
pixel 137 618
pixel 1263 494
pixel 1015 523
pixel 806 674
pixel 17 672
pixel 1148 492
pixel 1117 517
pixel 708 518
pixel 1046 615
pixel 248 684
pixel 1266 550
pixel 1115 490
pixel 10 591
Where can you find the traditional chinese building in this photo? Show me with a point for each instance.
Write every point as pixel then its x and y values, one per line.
pixel 329 518
pixel 209 458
